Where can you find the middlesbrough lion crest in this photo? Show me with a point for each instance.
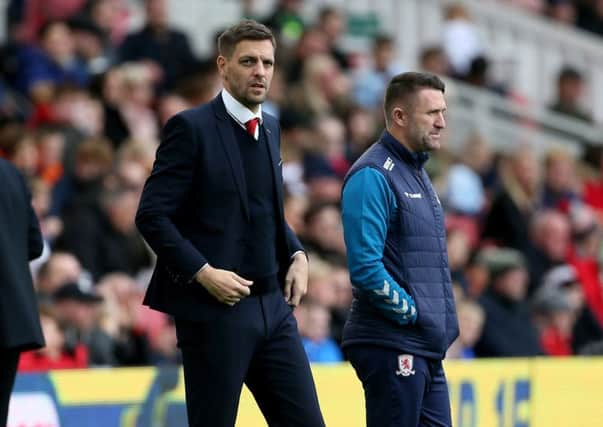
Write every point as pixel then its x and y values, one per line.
pixel 405 365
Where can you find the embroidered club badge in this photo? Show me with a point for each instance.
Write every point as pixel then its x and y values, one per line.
pixel 405 365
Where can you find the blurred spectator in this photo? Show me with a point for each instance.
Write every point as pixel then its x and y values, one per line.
pixel 332 23
pixel 330 131
pixel 340 280
pixel 590 16
pixel 460 39
pixel 107 241
pixel 471 322
pixel 277 94
pixel 79 191
pixel 478 154
pixel 477 274
pixel 433 59
pixel 560 184
pixel 323 89
pixel 556 304
pixel 550 234
pixel 169 105
pixel 312 42
pixel 295 210
pixel 19 147
pixel 362 128
pixel 464 193
pixel 53 63
pixel 51 148
pixel 296 139
pixel 369 84
pixel 165 48
pixel 201 85
pixel 324 231
pixel 122 300
pixel 459 250
pixel 557 319
pixel 322 181
pixel 79 311
pixel 478 75
pixel 314 330
pixel 512 208
pixel 584 258
pixel 286 22
pixel 592 190
pixel 570 88
pixel 91 46
pixel 164 349
pixel 135 106
pixel 77 114
pixel 562 11
pixel 51 226
pixel 320 282
pixel 57 354
pixel 60 268
pixel 508 331
pixel 111 16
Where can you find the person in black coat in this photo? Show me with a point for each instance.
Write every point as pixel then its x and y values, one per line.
pixel 508 329
pixel 157 42
pixel 20 242
pixel 229 268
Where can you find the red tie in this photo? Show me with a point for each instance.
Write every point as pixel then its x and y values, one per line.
pixel 250 125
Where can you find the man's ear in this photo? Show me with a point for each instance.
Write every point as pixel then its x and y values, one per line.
pixel 221 62
pixel 399 116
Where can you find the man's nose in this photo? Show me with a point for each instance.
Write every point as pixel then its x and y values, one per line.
pixel 259 69
pixel 440 121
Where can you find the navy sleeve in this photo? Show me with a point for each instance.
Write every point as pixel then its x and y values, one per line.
pixel 368 205
pixel 163 195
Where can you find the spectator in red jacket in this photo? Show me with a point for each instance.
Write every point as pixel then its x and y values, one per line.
pixel 56 354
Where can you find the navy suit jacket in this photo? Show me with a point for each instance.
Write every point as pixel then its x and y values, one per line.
pixel 194 208
pixel 20 242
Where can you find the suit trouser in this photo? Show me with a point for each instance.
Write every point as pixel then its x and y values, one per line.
pixel 9 360
pixel 255 342
pixel 401 391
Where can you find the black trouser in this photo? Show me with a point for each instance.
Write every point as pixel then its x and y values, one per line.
pixel 9 359
pixel 255 342
pixel 401 390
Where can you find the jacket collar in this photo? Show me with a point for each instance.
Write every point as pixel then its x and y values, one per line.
pixel 415 159
pixel 238 111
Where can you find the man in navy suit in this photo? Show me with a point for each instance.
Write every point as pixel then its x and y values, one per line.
pixel 229 268
pixel 20 242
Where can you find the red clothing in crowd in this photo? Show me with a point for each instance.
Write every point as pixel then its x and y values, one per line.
pixel 37 361
pixel 555 344
pixel 592 194
pixel 587 271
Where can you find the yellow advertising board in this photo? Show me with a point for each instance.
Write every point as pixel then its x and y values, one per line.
pixel 567 392
pixel 564 392
pixel 489 393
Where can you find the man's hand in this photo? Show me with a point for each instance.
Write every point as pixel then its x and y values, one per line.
pixel 296 281
pixel 226 286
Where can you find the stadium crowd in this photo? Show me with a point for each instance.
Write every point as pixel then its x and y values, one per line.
pixel 82 102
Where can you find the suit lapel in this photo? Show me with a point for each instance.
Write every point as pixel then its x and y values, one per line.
pixel 274 161
pixel 229 142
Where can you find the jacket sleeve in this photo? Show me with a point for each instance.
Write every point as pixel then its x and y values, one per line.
pixel 368 207
pixel 163 195
pixel 35 242
pixel 293 242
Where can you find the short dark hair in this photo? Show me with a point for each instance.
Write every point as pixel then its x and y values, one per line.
pixel 247 29
pixel 404 86
pixel 569 73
